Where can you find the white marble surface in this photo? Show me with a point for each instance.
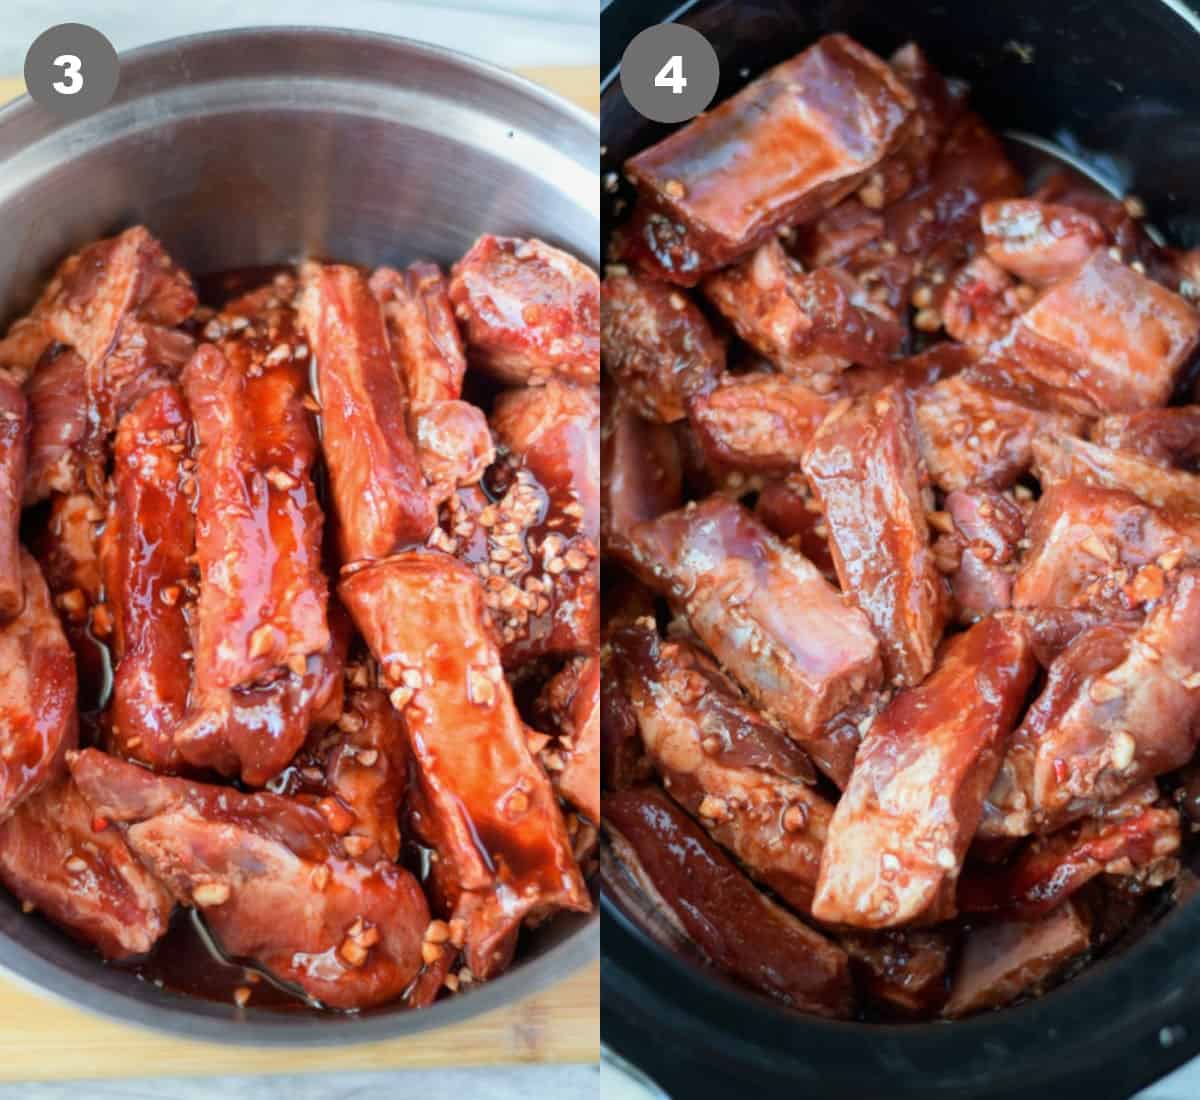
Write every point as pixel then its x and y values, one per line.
pixel 524 1083
pixel 506 32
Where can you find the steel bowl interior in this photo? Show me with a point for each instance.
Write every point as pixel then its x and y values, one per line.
pixel 262 146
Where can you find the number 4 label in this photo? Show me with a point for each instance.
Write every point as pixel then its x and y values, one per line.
pixel 671 75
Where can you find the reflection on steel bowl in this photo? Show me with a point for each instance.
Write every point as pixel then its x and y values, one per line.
pixel 298 750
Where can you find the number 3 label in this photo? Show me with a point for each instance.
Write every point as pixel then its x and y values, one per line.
pixel 671 75
pixel 72 70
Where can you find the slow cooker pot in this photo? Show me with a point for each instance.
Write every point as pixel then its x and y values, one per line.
pixel 1114 87
pixel 256 147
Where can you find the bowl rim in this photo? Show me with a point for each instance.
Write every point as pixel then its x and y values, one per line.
pixel 460 59
pixel 166 1012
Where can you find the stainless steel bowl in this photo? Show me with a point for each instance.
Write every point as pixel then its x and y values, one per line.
pixel 261 146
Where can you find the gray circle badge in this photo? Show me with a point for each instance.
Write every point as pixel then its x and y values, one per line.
pixel 72 70
pixel 670 73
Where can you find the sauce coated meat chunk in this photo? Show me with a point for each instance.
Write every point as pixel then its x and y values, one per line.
pixel 785 148
pixel 864 467
pixel 58 857
pixel 809 324
pixel 1119 707
pixel 261 628
pixel 453 443
pixel 902 827
pixel 489 803
pixel 1100 549
pixel 1105 337
pixel 1002 961
pixel 976 434
pixel 273 882
pixel 38 721
pixel 1039 242
pixel 145 552
pixel 733 925
pixel 745 781
pixel 759 421
pixel 529 312
pixel 657 344
pixel 641 469
pixel 377 485
pixel 766 613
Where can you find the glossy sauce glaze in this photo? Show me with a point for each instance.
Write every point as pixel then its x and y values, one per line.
pixel 136 605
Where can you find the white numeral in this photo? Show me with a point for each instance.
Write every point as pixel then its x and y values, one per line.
pixel 70 65
pixel 671 75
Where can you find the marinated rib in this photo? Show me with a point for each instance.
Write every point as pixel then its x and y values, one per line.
pixel 739 930
pixel 1058 459
pixel 1001 961
pixel 656 344
pixel 768 616
pixel 492 807
pixel 60 858
pixel 903 825
pixel 38 723
pixel 145 553
pixel 453 443
pixel 1105 338
pixel 1131 841
pixel 258 524
pixel 973 434
pixel 808 324
pixel 789 145
pixel 758 421
pixel 116 303
pixel 1097 549
pixel 989 528
pixel 274 884
pixel 937 222
pixel 529 312
pixel 980 303
pixel 641 471
pixel 864 467
pixel 747 783
pixel 57 394
pixel 68 556
pixel 555 430
pixel 1039 242
pixel 378 489
pixel 422 333
pixel 1119 707
pixel 262 637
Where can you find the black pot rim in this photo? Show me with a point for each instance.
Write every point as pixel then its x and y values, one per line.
pixel 1120 1025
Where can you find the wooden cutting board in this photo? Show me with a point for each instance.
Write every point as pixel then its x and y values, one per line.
pixel 41 1039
